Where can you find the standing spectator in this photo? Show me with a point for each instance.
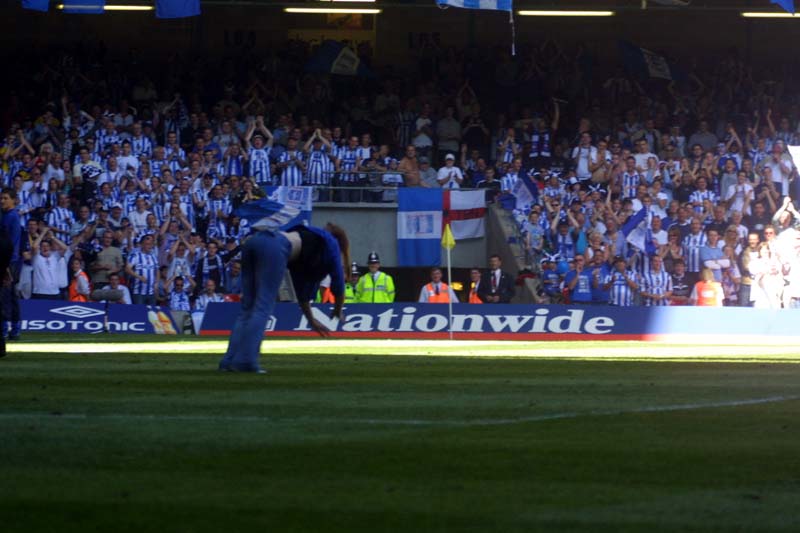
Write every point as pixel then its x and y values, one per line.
pixel 291 164
pixel 692 244
pixel 582 156
pixel 448 132
pixel 47 252
pixel 114 284
pixel 258 153
pixel 711 255
pixel 107 262
pixel 681 284
pixel 656 284
pixel 496 286
pixel 579 283
pixel 747 255
pixel 621 284
pixel 142 269
pixel 450 176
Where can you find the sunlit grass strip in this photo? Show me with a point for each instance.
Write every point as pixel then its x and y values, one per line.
pixel 607 351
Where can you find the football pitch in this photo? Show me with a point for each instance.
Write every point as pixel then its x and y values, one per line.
pixel 108 433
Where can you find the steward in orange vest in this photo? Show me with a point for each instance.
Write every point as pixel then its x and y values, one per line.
pixel 437 291
pixel 707 292
pixel 475 280
pixel 79 287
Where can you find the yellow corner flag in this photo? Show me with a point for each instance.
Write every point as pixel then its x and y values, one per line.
pixel 447 238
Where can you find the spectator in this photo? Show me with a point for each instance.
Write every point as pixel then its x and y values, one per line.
pixel 621 284
pixel 142 269
pixel 579 282
pixel 114 284
pixel 47 251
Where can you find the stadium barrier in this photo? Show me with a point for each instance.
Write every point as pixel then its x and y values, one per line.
pixel 59 316
pixel 526 322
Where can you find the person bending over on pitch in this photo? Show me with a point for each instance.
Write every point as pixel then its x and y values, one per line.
pixel 310 254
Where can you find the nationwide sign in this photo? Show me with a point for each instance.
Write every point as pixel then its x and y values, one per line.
pixel 518 322
pixel 54 316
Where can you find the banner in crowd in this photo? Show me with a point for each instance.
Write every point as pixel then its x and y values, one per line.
pixel 497 5
pixel 298 197
pixel 422 214
pixel 58 316
pixel 523 322
pixel 333 57
pixel 644 63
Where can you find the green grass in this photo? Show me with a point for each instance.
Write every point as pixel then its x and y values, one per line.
pixel 336 442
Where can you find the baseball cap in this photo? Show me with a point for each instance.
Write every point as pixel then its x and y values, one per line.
pixel 424 161
pixel 449 156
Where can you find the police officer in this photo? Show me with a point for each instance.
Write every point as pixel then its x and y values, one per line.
pixel 375 287
pixel 350 286
pixel 437 291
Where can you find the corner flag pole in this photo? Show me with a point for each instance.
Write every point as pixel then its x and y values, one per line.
pixel 448 242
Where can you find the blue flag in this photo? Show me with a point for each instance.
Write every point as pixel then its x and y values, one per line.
pixel 177 9
pixel 36 5
pixel 85 7
pixel 419 226
pixel 787 5
pixel 496 5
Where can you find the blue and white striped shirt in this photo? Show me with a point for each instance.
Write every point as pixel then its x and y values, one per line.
pixel 179 301
pixel 291 175
pixel 145 265
pixel 691 250
pixel 630 181
pixel 348 160
pixel 259 165
pixel 656 283
pixel 318 168
pixel 61 219
pixel 620 293
pixel 701 197
pixel 141 146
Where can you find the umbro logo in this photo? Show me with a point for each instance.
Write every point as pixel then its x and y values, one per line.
pixel 76 311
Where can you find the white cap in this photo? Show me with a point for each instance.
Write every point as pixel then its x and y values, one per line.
pixel 449 156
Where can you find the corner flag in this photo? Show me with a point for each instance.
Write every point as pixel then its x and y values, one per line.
pixel 447 238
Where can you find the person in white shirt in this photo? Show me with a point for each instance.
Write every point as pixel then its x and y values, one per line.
pixel 47 269
pixel 583 155
pixel 450 176
pixel 114 284
pixel 739 195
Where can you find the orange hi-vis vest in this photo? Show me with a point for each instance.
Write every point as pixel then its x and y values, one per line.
pixel 708 293
pixel 326 296
pixel 444 293
pixel 74 295
pixel 473 294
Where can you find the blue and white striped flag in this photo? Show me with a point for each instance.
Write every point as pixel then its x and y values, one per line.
pixel 497 5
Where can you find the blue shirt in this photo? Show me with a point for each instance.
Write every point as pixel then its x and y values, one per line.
pixel 582 291
pixel 306 276
pixel 10 224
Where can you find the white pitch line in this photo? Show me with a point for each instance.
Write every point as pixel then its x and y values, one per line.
pixel 401 422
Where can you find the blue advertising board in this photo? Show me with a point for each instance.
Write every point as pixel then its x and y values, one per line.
pixel 58 316
pixel 522 322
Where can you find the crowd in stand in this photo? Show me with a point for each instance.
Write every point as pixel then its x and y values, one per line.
pixel 122 181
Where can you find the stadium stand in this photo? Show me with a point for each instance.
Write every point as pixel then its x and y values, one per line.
pixel 597 165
